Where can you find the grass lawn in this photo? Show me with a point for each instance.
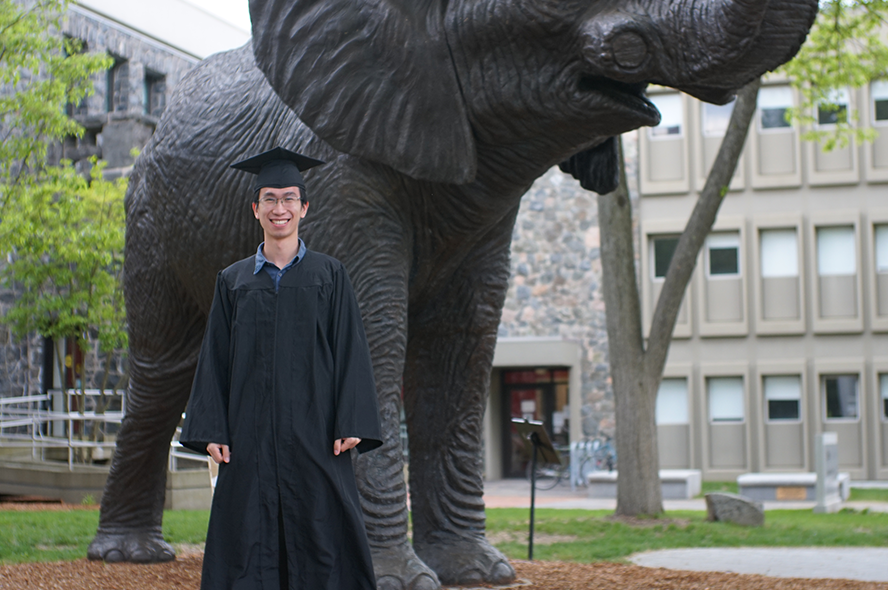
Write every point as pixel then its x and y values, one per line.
pixel 57 535
pixel 569 535
pixel 587 536
pixel 869 494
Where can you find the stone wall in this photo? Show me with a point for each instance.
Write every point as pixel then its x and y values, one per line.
pixel 555 286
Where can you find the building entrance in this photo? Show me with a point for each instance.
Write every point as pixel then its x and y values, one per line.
pixel 533 394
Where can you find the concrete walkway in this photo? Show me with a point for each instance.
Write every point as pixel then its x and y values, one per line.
pixel 515 493
pixel 868 564
pixel 851 563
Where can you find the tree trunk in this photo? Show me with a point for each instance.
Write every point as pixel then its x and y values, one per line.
pixel 636 371
pixel 636 436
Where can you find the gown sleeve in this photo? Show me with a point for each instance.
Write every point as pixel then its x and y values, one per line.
pixel 357 412
pixel 206 418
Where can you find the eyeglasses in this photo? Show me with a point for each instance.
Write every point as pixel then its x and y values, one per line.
pixel 289 202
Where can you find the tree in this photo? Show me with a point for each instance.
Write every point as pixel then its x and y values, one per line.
pixel 40 72
pixel 636 370
pixel 61 233
pixel 66 237
pixel 844 49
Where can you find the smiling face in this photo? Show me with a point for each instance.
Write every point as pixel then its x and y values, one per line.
pixel 279 211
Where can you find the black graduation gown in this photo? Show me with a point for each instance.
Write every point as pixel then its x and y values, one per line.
pixel 280 376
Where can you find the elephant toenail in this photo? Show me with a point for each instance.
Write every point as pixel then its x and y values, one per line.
pixel 389 583
pixel 502 572
pixel 114 556
pixel 424 582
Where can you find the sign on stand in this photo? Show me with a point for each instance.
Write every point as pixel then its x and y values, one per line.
pixel 827 458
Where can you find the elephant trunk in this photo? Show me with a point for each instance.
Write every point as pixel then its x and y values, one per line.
pixel 706 48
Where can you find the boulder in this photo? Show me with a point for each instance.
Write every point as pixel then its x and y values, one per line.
pixel 734 508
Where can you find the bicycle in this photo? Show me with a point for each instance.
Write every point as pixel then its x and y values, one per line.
pixel 549 475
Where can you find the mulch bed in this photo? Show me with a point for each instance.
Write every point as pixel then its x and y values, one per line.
pixel 184 574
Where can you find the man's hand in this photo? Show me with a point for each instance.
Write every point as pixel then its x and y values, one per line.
pixel 341 445
pixel 219 453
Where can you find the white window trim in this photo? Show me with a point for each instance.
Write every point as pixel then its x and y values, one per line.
pixel 707 393
pixel 841 93
pixel 713 239
pixel 790 128
pixel 872 105
pixel 682 132
pixel 822 388
pixel 765 400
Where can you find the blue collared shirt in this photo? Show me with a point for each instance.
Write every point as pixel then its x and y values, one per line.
pixel 274 272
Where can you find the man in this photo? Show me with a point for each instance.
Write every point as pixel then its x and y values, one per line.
pixel 284 386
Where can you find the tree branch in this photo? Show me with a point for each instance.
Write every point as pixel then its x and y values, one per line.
pixel 698 227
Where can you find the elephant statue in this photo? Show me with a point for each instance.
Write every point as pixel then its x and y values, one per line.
pixel 434 118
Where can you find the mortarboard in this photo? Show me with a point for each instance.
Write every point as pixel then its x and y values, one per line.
pixel 277 168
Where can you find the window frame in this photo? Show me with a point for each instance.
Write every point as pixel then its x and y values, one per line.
pixel 682 128
pixel 822 376
pixel 760 128
pixel 743 395
pixel 707 255
pixel 844 93
pixel 766 412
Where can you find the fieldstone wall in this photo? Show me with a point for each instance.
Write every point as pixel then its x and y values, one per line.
pixel 555 286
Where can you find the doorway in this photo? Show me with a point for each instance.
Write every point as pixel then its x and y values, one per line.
pixel 533 394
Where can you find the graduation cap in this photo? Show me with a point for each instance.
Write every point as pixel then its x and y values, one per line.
pixel 277 168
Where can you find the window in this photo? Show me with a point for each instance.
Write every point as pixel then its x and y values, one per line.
pixel 716 118
pixel 154 99
pixel 881 248
pixel 664 249
pixel 836 251
pixel 779 253
pixel 672 401
pixel 834 109
pixel 879 91
pixel 725 399
pixel 840 397
pixel 774 103
pixel 671 116
pixel 117 90
pixel 723 254
pixel 883 387
pixel 783 395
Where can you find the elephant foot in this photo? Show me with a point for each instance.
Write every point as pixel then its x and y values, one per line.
pixel 134 546
pixel 463 561
pixel 398 568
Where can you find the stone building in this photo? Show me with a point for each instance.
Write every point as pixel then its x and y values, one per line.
pixel 150 57
pixel 551 359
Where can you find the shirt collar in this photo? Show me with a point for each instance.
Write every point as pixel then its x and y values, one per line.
pixel 261 260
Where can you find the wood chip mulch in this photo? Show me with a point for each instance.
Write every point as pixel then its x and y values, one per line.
pixel 184 574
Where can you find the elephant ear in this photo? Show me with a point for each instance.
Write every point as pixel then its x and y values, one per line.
pixel 597 168
pixel 373 78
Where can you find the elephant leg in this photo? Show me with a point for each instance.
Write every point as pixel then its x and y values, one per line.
pixel 377 266
pixel 450 353
pixel 163 353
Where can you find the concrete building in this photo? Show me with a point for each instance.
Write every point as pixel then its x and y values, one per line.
pixel 783 332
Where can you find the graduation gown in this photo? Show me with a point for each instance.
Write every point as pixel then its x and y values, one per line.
pixel 280 376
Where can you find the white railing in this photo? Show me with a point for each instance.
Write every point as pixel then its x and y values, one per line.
pixel 55 421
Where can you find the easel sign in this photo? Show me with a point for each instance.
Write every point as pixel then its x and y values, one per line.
pixel 536 441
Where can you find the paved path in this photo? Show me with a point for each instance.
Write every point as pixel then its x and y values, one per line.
pixel 867 564
pixel 515 493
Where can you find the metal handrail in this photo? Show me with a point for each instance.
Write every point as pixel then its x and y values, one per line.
pixel 39 423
